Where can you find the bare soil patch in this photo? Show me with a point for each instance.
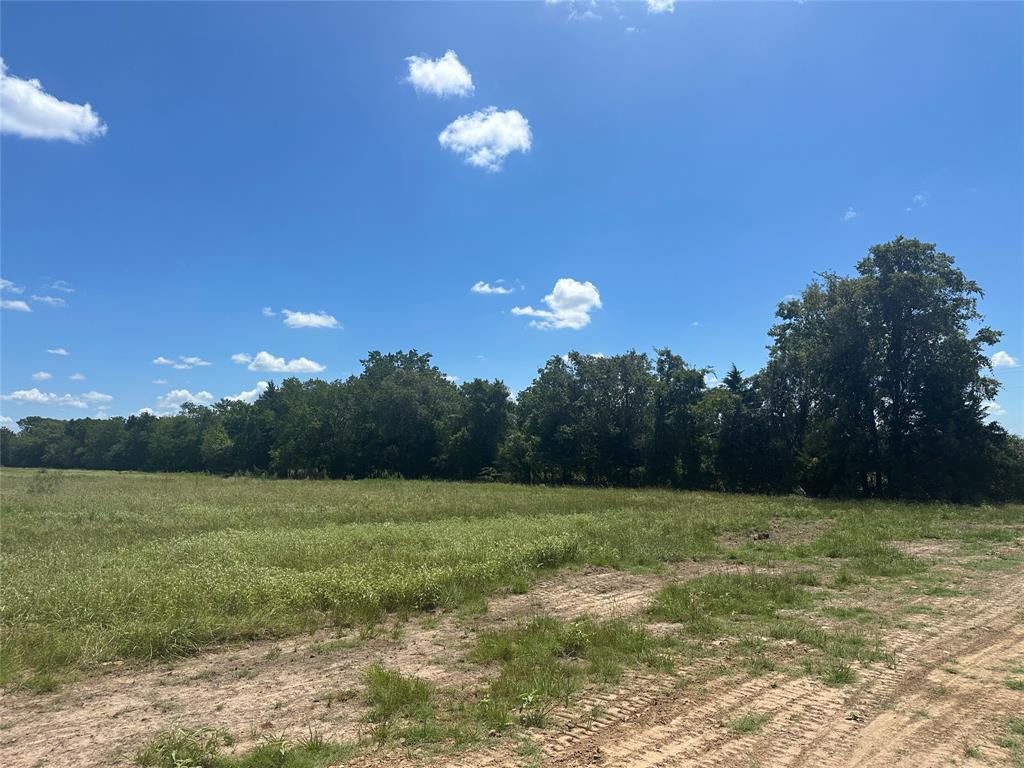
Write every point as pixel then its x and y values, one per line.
pixel 913 712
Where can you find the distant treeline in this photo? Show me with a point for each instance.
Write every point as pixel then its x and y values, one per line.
pixel 875 386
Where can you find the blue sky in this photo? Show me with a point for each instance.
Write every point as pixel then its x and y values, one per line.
pixel 693 166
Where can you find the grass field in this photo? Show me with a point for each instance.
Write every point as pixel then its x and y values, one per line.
pixel 104 567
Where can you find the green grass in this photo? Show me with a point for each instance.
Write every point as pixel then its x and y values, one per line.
pixel 201 748
pixel 100 566
pixel 752 722
pixel 545 661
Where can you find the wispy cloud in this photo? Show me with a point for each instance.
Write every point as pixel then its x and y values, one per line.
pixel 268 312
pixel 53 301
pixel 7 285
pixel 850 214
pixel 487 288
pixel 485 138
pixel 59 351
pixel 60 285
pixel 15 305
pixel 183 363
pixel 77 377
pixel 42 375
pixel 443 77
pixel 569 305
pixel 32 113
pixel 661 6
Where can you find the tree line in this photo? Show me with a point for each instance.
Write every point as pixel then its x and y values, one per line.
pixel 875 385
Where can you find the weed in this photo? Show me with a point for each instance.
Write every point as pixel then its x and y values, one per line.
pixel 752 722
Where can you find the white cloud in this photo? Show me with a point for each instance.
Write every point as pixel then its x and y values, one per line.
pixel 268 312
pixel 159 381
pixel 569 306
pixel 15 305
pixel 30 112
pixel 850 214
pixel 77 377
pixel 60 285
pixel 53 301
pixel 661 6
pixel 264 361
pixel 486 288
pixel 487 137
pixel 186 362
pixel 920 199
pixel 250 395
pixel 176 397
pixel 35 397
pixel 7 285
pixel 309 319
pixel 993 409
pixel 97 397
pixel 1003 359
pixel 441 77
pixel 58 351
pixel 42 375
pixel 6 420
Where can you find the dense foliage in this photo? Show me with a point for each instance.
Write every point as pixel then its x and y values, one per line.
pixel 875 386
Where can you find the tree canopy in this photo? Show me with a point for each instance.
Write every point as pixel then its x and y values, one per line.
pixel 875 385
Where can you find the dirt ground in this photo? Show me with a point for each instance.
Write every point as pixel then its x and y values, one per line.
pixel 940 702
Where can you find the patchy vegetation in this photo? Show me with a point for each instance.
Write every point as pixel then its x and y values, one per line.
pixel 119 566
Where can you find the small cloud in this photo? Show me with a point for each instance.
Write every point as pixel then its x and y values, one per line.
pixel 15 305
pixel 850 214
pixel 920 199
pixel 711 381
pixel 1003 359
pixel 486 288
pixel 250 395
pixel 7 285
pixel 77 377
pixel 268 312
pixel 196 361
pixel 159 381
pixel 569 306
pixel 35 397
pixel 695 323
pixel 442 77
pixel 97 397
pixel 32 113
pixel 993 410
pixel 60 285
pixel 661 6
pixel 309 319
pixel 42 375
pixel 161 360
pixel 485 138
pixel 632 30
pixel 264 361
pixel 59 351
pixel 53 301
pixel 178 397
